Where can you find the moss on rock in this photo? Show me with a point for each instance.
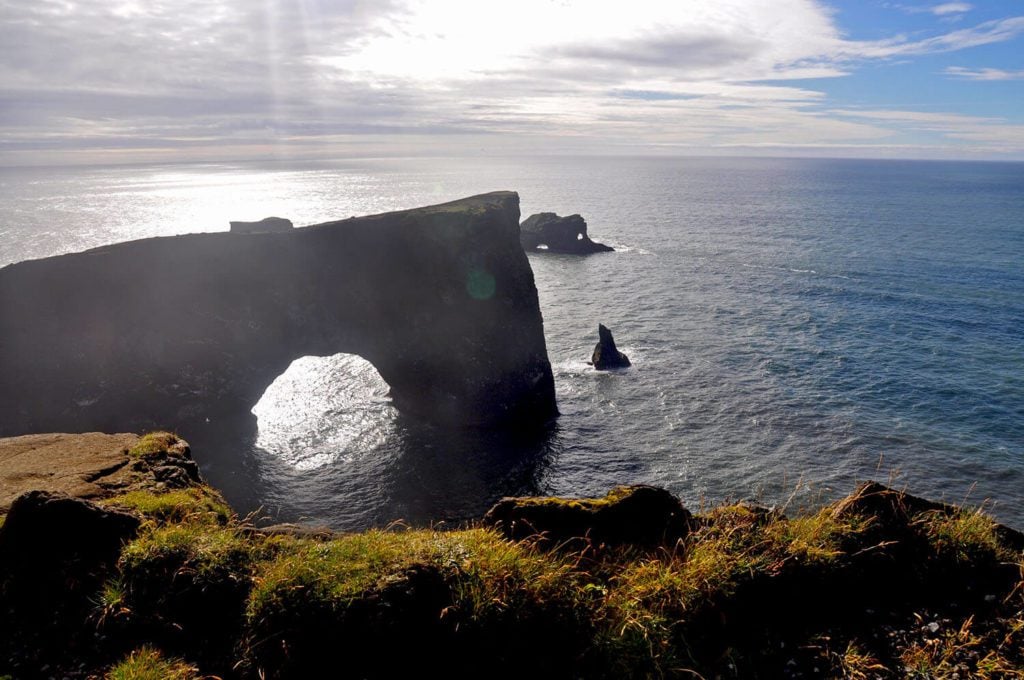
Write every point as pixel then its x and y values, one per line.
pixel 194 504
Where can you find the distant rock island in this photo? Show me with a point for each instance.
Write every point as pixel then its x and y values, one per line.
pixel 547 231
pixel 188 331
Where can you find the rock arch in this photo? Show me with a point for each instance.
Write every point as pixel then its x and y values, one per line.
pixel 188 331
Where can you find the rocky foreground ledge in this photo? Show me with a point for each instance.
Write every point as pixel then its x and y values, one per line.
pixel 125 565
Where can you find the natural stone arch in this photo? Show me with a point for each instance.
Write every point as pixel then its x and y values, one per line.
pixel 322 409
pixel 188 331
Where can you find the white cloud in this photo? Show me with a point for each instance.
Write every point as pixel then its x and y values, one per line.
pixel 192 74
pixel 951 8
pixel 987 33
pixel 988 133
pixel 984 73
pixel 946 9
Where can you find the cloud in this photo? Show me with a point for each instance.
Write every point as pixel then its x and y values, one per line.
pixel 306 74
pixel 987 33
pixel 983 73
pixel 945 9
pixel 987 133
pixel 951 8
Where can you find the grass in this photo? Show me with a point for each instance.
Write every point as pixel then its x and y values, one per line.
pixel 196 548
pixel 856 664
pixel 147 663
pixel 481 601
pixel 195 504
pixel 470 596
pixel 822 538
pixel 487 570
pixel 965 535
pixel 153 443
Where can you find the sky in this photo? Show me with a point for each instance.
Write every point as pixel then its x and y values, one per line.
pixel 93 81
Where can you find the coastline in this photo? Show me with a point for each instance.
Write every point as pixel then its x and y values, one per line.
pixel 879 584
pixel 766 347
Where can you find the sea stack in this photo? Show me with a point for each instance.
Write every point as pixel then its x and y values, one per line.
pixel 606 354
pixel 548 231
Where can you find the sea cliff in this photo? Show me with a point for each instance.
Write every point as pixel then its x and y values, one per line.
pixel 188 331
pixel 131 567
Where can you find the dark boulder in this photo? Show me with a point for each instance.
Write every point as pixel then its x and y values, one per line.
pixel 55 554
pixel 640 515
pixel 44 530
pixel 548 231
pixel 267 224
pixel 895 515
pixel 606 354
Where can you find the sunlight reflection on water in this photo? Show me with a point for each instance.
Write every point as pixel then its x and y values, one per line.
pixel 325 410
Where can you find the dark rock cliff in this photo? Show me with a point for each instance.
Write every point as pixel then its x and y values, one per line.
pixel 188 331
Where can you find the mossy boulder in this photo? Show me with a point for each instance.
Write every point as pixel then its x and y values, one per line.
pixel 639 515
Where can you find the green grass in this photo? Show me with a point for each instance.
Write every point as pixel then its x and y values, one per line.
pixel 153 443
pixel 204 549
pixel 488 571
pixel 471 594
pixel 965 535
pixel 147 663
pixel 627 611
pixel 822 538
pixel 198 503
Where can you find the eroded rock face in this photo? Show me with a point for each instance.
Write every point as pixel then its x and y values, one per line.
pixel 267 224
pixel 548 231
pixel 606 355
pixel 187 332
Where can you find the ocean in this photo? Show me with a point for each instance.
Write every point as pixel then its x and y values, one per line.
pixel 795 326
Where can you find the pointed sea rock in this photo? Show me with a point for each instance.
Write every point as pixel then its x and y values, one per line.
pixel 606 354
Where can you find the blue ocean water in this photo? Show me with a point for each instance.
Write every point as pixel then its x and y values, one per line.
pixel 794 325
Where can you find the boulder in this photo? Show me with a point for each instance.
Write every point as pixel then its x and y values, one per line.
pixel 55 553
pixel 548 231
pixel 640 515
pixel 80 465
pixel 45 531
pixel 93 465
pixel 894 513
pixel 267 224
pixel 606 355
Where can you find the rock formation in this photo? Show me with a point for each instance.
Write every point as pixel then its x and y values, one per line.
pixel 188 331
pixel 640 514
pixel 606 354
pixel 548 231
pixel 267 224
pixel 93 466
